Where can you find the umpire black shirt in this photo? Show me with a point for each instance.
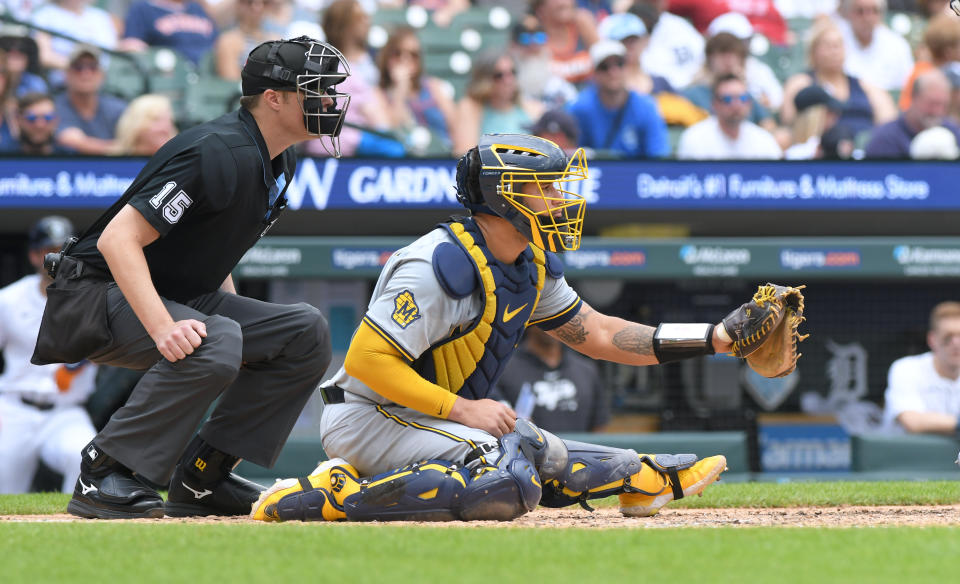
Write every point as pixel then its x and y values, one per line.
pixel 211 192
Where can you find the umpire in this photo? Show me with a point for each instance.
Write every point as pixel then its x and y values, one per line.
pixel 148 287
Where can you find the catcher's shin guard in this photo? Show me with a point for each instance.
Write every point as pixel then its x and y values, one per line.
pixel 436 490
pixel 317 497
pixel 644 482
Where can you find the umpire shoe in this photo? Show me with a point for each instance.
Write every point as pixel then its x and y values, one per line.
pixel 108 490
pixel 232 495
pixel 665 477
pixel 204 484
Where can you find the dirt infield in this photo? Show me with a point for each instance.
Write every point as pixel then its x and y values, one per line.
pixel 844 516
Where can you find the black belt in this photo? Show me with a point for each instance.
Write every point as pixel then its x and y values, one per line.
pixel 42 406
pixel 331 395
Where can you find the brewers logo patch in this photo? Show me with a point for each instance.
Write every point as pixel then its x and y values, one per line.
pixel 405 309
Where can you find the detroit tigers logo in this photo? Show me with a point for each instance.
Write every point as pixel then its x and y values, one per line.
pixel 405 309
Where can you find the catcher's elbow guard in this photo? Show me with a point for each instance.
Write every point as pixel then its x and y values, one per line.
pixel 675 340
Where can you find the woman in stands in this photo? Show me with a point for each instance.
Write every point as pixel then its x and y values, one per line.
pixel 145 126
pixel 493 103
pixel 233 46
pixel 413 99
pixel 863 105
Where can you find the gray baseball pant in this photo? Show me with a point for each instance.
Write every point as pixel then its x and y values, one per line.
pixel 263 360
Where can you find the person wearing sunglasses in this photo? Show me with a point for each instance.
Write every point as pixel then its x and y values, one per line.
pixel 727 134
pixel 88 117
pixel 613 118
pixel 37 120
pixel 874 52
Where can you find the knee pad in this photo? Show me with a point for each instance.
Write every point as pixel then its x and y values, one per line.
pixel 436 490
pixel 547 451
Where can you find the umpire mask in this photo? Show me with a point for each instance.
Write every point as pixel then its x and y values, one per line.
pixel 311 68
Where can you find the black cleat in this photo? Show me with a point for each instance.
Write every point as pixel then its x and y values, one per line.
pixel 233 495
pixel 118 495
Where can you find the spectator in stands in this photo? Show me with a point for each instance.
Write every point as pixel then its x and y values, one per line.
pixel 570 33
pixel 77 19
pixel 553 386
pixel 936 143
pixel 535 76
pixel 41 417
pixel 928 109
pixel 838 143
pixel 923 391
pixel 629 29
pixel 493 102
pixel 234 44
pixel 37 120
pixel 559 127
pixel 874 53
pixel 23 65
pixel 675 50
pixel 761 80
pixel 726 55
pixel 864 105
pixel 413 99
pixel 613 118
pixel 817 112
pixel 8 143
pixel 88 118
pixel 145 126
pixel 762 15
pixel 181 25
pixel 727 135
pixel 942 41
pixel 346 25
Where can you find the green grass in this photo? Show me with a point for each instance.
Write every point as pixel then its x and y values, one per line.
pixel 195 553
pixel 721 495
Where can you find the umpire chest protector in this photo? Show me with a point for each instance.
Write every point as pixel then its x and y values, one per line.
pixel 472 358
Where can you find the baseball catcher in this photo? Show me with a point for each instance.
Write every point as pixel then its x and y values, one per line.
pixel 407 421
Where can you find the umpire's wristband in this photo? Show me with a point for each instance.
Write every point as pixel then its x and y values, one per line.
pixel 682 340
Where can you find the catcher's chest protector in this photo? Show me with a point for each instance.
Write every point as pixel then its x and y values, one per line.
pixel 470 360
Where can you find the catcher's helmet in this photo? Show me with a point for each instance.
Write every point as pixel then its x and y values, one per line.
pixel 492 178
pixel 311 68
pixel 50 232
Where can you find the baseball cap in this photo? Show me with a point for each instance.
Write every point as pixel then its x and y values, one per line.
pixel 604 49
pixel 732 22
pixel 50 231
pixel 620 26
pixel 815 95
pixel 556 121
pixel 83 51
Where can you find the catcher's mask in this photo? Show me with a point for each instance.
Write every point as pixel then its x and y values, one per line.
pixel 522 178
pixel 311 68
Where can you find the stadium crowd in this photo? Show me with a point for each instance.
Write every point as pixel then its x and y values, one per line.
pixel 716 79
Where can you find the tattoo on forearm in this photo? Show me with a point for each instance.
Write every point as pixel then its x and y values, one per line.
pixel 635 339
pixel 574 332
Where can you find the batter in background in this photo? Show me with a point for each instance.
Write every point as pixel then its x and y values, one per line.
pixel 41 406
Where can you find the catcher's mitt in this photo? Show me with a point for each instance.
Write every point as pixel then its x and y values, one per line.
pixel 764 330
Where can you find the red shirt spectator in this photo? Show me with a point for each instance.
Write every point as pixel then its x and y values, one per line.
pixel 762 14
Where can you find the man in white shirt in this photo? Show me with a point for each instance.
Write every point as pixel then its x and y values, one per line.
pixel 41 412
pixel 923 391
pixel 727 135
pixel 675 50
pixel 874 52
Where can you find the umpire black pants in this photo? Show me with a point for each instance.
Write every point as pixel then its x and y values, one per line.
pixel 263 360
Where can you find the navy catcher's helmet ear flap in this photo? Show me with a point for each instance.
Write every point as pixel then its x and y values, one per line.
pixel 468 180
